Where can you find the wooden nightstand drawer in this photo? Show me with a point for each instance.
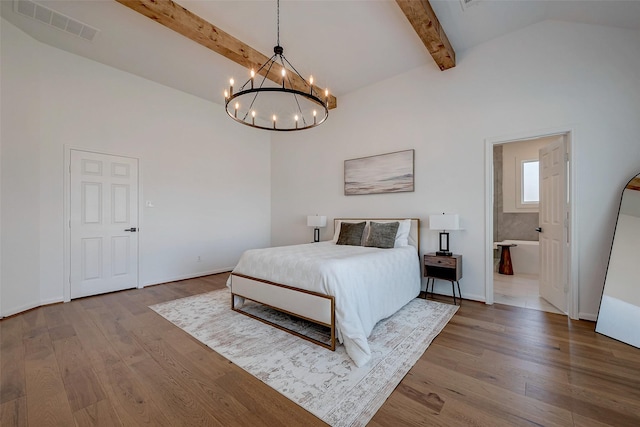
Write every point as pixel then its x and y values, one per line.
pixel 440 261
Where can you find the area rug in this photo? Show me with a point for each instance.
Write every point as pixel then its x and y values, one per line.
pixel 326 383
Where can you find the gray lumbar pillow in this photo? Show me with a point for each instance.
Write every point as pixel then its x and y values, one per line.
pixel 351 233
pixel 382 235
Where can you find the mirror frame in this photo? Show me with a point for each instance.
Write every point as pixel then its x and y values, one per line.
pixel 622 318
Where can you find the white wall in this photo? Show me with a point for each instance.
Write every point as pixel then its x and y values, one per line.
pixel 20 185
pixel 548 75
pixel 208 177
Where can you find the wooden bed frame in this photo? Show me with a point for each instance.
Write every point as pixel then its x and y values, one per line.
pixel 314 307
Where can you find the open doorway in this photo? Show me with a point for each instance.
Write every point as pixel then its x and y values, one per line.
pixel 516 189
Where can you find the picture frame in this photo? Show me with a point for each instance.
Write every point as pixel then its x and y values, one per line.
pixel 383 173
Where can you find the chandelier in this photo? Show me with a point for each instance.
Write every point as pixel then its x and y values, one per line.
pixel 291 104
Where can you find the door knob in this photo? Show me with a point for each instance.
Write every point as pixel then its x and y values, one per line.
pixel 132 229
pixel 539 229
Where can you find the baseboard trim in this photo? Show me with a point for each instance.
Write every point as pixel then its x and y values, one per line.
pixel 588 316
pixel 188 276
pixel 30 306
pixel 17 310
pixel 26 307
pixel 51 301
pixel 464 297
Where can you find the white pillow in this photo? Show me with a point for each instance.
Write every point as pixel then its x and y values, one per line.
pixel 402 236
pixel 336 232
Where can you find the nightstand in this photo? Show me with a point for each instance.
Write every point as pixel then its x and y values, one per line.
pixel 444 268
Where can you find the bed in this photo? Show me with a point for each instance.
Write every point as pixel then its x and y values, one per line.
pixel 345 287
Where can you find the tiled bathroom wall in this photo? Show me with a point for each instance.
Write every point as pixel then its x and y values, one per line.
pixel 509 226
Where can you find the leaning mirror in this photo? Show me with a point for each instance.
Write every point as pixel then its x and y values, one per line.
pixel 619 314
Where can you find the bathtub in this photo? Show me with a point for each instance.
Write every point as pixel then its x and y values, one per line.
pixel 525 257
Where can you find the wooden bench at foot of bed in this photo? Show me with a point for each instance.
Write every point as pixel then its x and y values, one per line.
pixel 311 306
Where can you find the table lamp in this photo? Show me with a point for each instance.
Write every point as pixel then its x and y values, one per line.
pixel 444 223
pixel 317 222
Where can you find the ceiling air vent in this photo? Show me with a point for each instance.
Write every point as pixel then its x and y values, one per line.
pixel 55 19
pixel 469 3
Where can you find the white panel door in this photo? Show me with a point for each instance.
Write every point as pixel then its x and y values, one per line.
pixel 103 221
pixel 553 221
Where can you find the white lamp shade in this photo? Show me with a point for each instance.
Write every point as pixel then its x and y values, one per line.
pixel 316 221
pixel 444 222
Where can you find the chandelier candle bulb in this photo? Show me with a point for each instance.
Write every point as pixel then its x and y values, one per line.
pixel 296 118
pixel 253 118
pixel 311 86
pixel 253 74
pixel 230 87
pixel 314 116
pixel 236 112
pixel 226 94
pixel 274 121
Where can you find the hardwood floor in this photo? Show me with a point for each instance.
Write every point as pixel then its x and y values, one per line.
pixel 109 360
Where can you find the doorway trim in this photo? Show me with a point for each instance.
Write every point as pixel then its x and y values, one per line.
pixel 572 255
pixel 66 278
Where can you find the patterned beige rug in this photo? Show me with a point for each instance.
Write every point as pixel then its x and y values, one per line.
pixel 326 383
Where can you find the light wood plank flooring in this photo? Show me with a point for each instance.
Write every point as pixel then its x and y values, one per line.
pixel 109 360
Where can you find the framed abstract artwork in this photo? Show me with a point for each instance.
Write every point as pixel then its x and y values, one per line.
pixel 384 173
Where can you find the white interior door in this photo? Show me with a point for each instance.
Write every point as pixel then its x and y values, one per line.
pixel 553 224
pixel 103 221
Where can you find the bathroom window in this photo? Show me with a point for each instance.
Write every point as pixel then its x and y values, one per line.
pixel 530 183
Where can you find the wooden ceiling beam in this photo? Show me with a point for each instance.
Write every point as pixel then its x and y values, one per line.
pixel 190 25
pixel 425 22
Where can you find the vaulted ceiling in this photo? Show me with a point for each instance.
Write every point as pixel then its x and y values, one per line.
pixel 346 45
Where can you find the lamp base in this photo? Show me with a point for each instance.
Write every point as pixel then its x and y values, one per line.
pixel 444 245
pixel 443 253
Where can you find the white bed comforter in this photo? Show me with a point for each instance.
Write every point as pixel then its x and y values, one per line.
pixel 369 284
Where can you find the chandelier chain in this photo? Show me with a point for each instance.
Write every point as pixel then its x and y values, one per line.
pixel 278 21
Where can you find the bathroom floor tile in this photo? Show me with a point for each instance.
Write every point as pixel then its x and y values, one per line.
pixel 541 304
pixel 509 300
pixel 521 290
